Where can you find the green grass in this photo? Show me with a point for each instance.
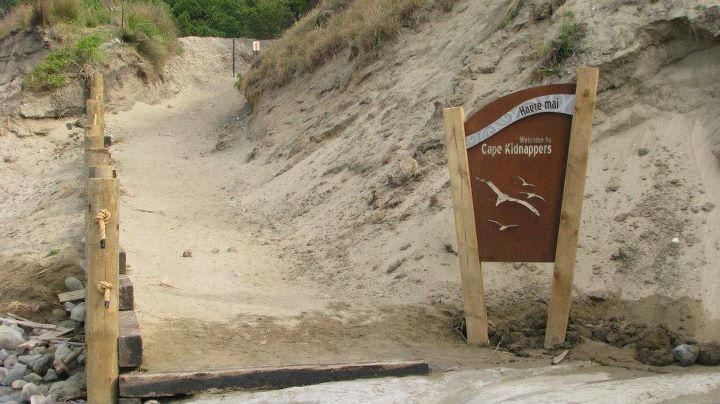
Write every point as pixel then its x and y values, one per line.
pixel 53 252
pixel 564 46
pixel 55 69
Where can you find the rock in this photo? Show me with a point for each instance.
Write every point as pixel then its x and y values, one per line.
pixel 73 283
pixel 78 313
pixel 18 384
pixel 33 378
pixel 187 254
pixel 71 324
pixel 42 364
pixel 613 185
pixel 68 306
pixel 152 402
pixel 642 151
pixel 70 387
pixel 58 314
pixel 215 250
pixel 38 350
pixel 50 376
pixel 16 373
pixel 27 359
pixel 654 348
pixel 10 361
pixel 686 354
pixel 709 354
pixel 3 355
pixel 32 389
pixel 707 206
pixel 403 172
pixel 40 399
pixel 81 359
pixel 69 125
pixel 10 338
pixel 232 250
pixel 61 352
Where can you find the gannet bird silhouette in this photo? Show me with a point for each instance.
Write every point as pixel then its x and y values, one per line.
pixel 525 183
pixel 503 227
pixel 531 195
pixel 502 197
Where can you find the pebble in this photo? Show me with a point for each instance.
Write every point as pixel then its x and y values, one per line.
pixel 10 361
pixel 707 207
pixel 686 354
pixel 18 384
pixel 68 306
pixel 16 373
pixel 642 151
pixel 613 185
pixel 73 283
pixel 40 399
pixel 42 364
pixel 10 338
pixel 33 378
pixel 3 355
pixel 78 313
pixel 32 389
pixel 215 250
pixel 232 250
pixel 27 359
pixel 187 254
pixel 50 376
pixel 70 387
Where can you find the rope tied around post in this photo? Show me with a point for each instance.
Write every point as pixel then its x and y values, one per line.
pixel 101 219
pixel 105 288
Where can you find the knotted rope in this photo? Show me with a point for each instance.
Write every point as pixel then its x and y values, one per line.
pixel 101 219
pixel 105 288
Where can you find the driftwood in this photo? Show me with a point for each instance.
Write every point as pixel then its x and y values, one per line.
pixel 168 384
pixel 28 323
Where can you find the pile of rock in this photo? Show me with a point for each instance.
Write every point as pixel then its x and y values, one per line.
pixel 35 371
pixel 44 363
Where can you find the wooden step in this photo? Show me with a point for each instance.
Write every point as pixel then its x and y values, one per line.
pixel 129 341
pixel 123 262
pixel 127 294
pixel 137 384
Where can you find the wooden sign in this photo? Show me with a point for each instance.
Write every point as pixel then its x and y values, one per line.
pixel 256 46
pixel 517 151
pixel 517 173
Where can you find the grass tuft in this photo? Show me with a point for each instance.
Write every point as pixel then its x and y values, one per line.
pixel 151 28
pixel 19 17
pixel 560 49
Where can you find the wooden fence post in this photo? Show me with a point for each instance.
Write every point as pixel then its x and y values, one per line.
pixel 571 211
pixel 101 324
pixel 95 114
pixel 97 88
pixel 470 267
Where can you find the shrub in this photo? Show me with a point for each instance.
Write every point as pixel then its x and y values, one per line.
pixel 362 25
pixel 561 48
pixel 54 69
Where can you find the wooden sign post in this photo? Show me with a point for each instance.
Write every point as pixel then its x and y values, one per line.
pixel 511 164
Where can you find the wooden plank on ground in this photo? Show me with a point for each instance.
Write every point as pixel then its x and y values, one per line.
pixel 130 341
pixel 471 276
pixel 28 323
pixel 72 296
pixel 571 211
pixel 127 294
pixel 169 384
pixel 44 337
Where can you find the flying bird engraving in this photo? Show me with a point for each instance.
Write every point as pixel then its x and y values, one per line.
pixel 531 195
pixel 503 227
pixel 525 183
pixel 502 197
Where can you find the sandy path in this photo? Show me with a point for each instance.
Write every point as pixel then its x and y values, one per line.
pixel 174 200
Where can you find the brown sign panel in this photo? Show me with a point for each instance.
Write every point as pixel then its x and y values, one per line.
pixel 517 150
